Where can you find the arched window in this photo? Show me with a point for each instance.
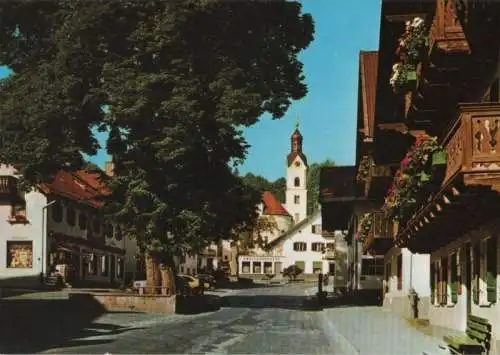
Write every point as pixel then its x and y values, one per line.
pixel 296 182
pixel 70 216
pixel 57 212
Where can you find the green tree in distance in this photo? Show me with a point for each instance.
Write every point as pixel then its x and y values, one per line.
pixel 177 79
pixel 278 187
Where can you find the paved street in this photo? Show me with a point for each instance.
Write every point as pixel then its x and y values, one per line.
pixel 259 321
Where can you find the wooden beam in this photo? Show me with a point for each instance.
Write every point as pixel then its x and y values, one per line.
pixel 438 207
pixel 446 200
pixel 402 18
pixel 432 215
pixel 427 220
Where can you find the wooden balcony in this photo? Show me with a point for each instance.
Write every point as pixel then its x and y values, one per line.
pixel 378 181
pixel 470 189
pixel 380 238
pixel 446 36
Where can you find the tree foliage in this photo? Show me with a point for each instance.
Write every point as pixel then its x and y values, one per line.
pixel 177 79
pixel 313 184
pixel 260 183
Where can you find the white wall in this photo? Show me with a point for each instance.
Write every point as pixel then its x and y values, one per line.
pixel 31 231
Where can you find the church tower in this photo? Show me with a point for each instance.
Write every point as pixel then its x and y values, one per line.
pixel 296 178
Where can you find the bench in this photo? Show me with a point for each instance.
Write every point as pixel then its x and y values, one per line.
pixel 476 339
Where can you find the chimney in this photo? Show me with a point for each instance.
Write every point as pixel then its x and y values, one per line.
pixel 108 168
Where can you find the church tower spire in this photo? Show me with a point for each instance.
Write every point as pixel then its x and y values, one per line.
pixel 296 177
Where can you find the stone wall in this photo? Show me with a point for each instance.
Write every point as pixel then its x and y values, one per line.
pixel 145 303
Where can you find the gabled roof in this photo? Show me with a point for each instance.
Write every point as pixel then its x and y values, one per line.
pixel 272 206
pixel 82 186
pixel 297 226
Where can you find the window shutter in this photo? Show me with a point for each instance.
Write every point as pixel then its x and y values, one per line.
pixel 444 265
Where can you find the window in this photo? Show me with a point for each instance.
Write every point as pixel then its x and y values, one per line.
pixel 257 268
pixel 70 216
pixel 454 283
pixel 400 271
pixel 18 211
pixel 317 246
pixel 19 254
pixel 317 267
pixel 96 225
pixel 120 265
pixel 296 199
pixel 433 273
pixel 245 267
pixel 387 276
pixel 82 221
pixel 331 268
pixel 268 267
pixel 330 246
pixel 57 212
pixel 316 228
pixel 104 265
pixel 299 246
pixel 444 281
pixel 476 262
pixel 296 182
pixel 491 269
pixel 372 267
pixel 93 265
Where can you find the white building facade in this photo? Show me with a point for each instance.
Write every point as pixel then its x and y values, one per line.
pixel 59 228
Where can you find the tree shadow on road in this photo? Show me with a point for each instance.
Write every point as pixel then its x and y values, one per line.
pixel 35 325
pixel 267 301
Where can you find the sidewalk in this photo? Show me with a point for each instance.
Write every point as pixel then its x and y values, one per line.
pixel 375 331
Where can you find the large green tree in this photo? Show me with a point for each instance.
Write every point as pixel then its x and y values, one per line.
pixel 261 184
pixel 313 184
pixel 178 79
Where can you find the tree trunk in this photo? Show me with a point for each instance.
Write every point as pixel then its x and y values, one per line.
pixel 152 273
pixel 167 280
pixel 234 260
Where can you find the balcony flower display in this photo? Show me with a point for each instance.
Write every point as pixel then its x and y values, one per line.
pixel 403 78
pixel 413 42
pixel 418 171
pixel 365 226
pixel 363 169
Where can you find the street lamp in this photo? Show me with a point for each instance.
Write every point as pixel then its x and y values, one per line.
pixel 44 239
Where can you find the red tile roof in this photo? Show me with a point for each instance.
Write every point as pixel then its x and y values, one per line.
pixel 368 69
pixel 81 186
pixel 272 206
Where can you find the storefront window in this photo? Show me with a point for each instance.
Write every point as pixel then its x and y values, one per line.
pixel 104 265
pixel 20 254
pixel 245 267
pixel 268 267
pixel 120 264
pixel 93 265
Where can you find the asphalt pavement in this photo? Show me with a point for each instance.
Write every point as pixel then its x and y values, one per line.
pixel 260 320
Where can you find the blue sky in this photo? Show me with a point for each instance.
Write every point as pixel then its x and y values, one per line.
pixel 328 112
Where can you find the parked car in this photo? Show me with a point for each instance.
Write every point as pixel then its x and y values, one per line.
pixel 190 284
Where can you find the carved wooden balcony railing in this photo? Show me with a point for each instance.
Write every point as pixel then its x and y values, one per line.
pixel 378 181
pixel 446 35
pixel 470 189
pixel 381 234
pixel 329 254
